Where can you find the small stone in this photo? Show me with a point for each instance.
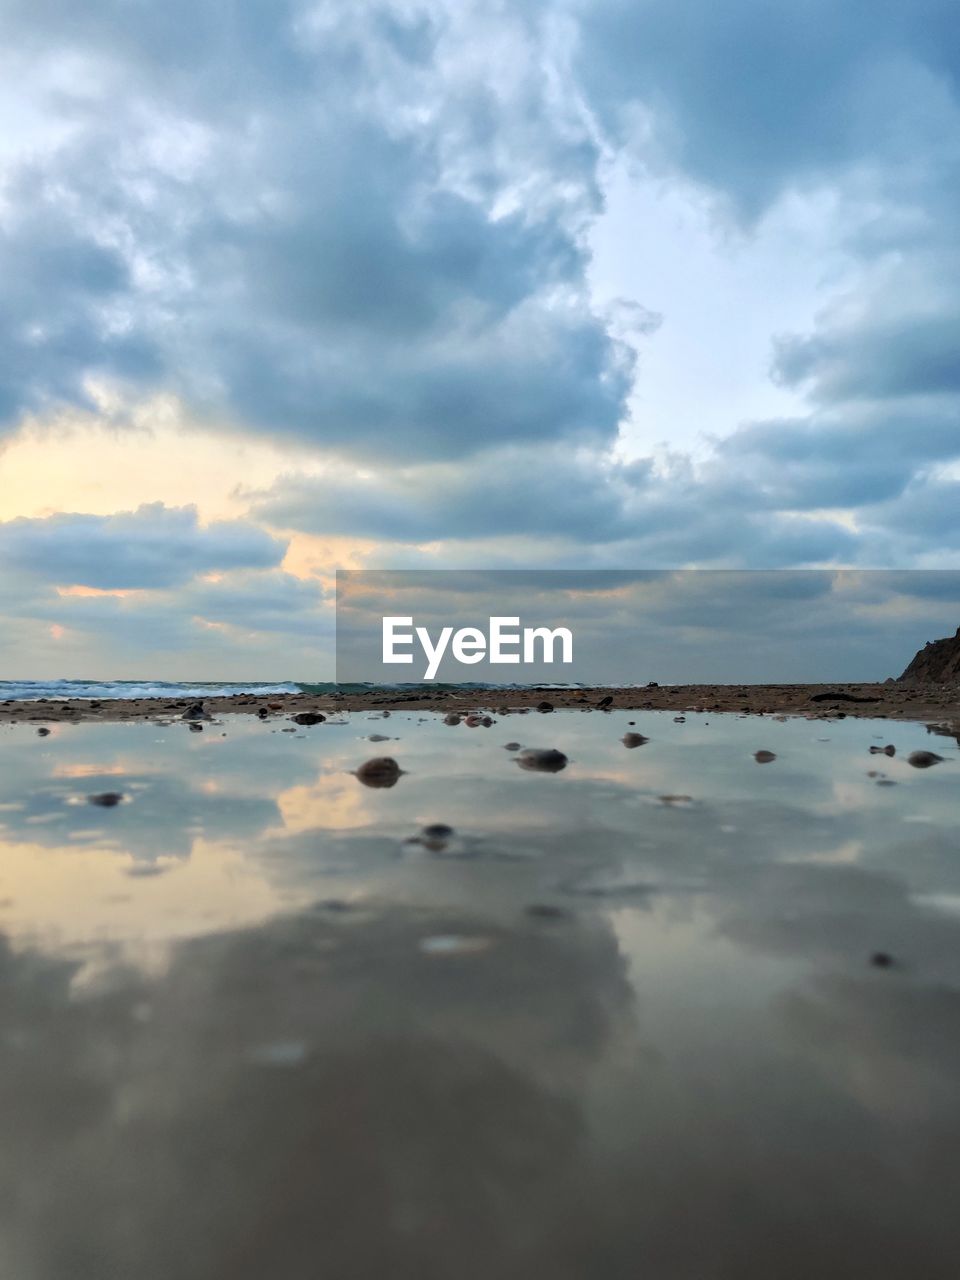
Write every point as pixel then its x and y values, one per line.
pixel 764 757
pixel 924 759
pixel 679 719
pixel 437 831
pixel 106 799
pixel 881 960
pixel 546 911
pixel 195 727
pixel 631 740
pixel 544 707
pixel 308 717
pixel 605 702
pixel 263 713
pixel 43 733
pixel 378 737
pixel 381 771
pixel 888 750
pixel 511 746
pixel 451 718
pixel 542 759
pixel 195 712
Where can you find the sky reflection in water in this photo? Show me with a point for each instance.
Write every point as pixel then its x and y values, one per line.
pixel 249 1029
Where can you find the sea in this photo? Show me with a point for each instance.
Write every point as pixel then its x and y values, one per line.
pixel 55 690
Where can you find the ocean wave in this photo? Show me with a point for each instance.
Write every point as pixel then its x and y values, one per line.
pixel 53 690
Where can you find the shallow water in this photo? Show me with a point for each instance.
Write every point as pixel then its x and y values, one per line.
pixel 249 1028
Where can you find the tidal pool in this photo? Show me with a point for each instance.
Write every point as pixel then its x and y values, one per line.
pixel 670 1011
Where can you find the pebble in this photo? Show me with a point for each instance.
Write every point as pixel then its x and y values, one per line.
pixel 881 960
pixel 605 702
pixel 764 757
pixel 106 799
pixel 263 713
pixel 511 746
pixel 195 727
pixel 888 750
pixel 378 737
pixel 437 831
pixel 631 740
pixel 542 759
pixel 195 712
pixel 381 771
pixel 924 759
pixel 43 733
pixel 544 707
pixel 308 717
pixel 546 911
pixel 451 717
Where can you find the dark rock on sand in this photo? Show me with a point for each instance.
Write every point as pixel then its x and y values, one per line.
pixel 195 712
pixel 43 733
pixel 381 771
pixel 308 717
pixel 263 713
pixel 195 727
pixel 544 707
pixel 451 718
pixel 542 759
pixel 605 702
pixel 437 831
pixel 546 911
pixel 106 799
pixel 511 746
pixel 881 960
pixel 888 750
pixel 924 759
pixel 631 740
pixel 764 757
pixel 938 662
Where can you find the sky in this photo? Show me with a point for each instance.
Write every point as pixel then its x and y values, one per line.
pixel 287 287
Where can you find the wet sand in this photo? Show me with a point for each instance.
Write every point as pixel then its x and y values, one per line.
pixel 929 703
pixel 686 1007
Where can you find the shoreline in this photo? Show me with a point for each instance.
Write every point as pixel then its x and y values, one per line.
pixel 894 701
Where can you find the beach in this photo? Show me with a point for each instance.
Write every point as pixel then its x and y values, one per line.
pixel 939 704
pixel 533 1000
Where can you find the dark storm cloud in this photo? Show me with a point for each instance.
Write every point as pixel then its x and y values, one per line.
pixel 154 546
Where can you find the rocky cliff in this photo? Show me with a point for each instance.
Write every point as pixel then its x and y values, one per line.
pixel 938 662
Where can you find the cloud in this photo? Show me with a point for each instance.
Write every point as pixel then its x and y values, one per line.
pixel 365 229
pixel 356 227
pixel 152 547
pixel 569 509
pixel 752 99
